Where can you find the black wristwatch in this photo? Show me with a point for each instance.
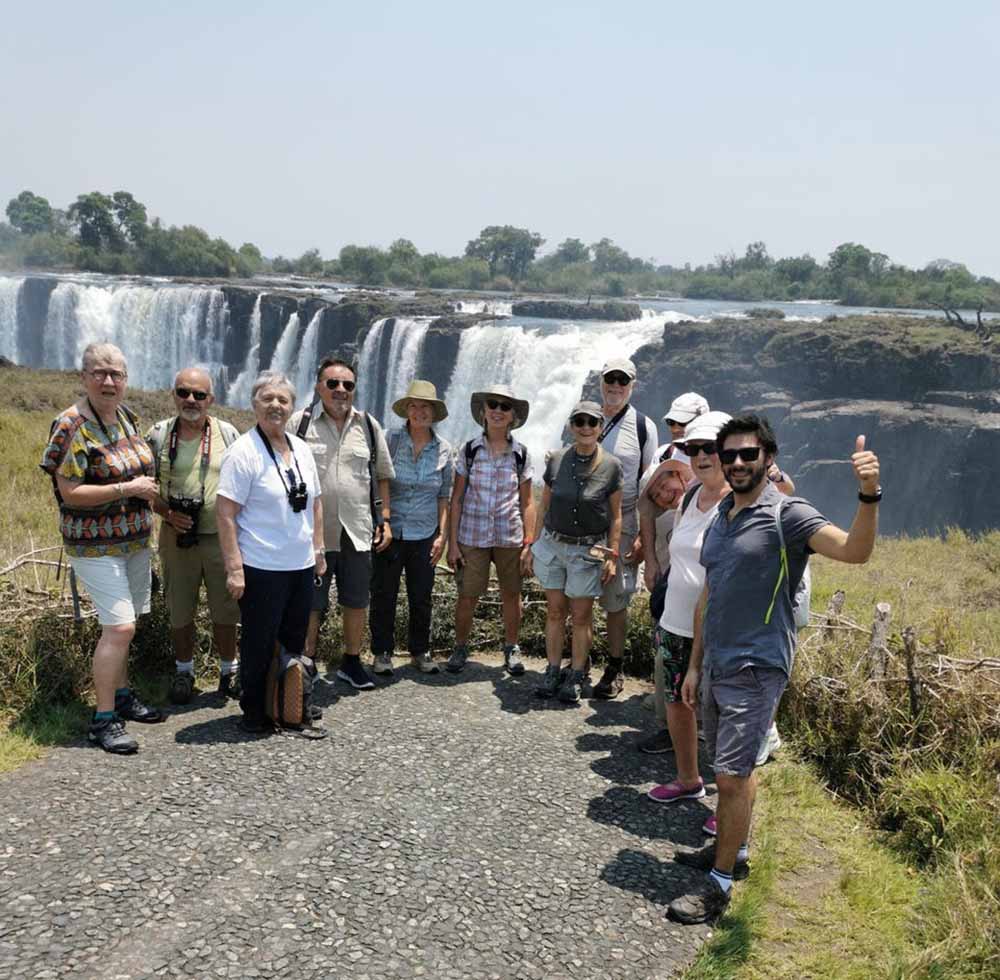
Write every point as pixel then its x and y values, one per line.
pixel 870 498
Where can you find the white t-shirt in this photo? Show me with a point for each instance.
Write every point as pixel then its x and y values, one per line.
pixel 271 535
pixel 687 574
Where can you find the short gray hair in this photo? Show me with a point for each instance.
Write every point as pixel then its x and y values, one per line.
pixel 102 351
pixel 202 371
pixel 272 379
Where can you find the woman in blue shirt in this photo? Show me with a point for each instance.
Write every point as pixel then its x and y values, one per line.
pixel 420 494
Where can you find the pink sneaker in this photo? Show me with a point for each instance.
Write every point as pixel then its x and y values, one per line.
pixel 672 792
pixel 708 827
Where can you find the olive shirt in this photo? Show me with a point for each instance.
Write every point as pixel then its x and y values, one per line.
pixel 579 503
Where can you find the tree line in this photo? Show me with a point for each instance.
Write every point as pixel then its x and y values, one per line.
pixel 112 233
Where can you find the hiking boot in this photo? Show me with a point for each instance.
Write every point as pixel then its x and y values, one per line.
pixel 129 708
pixel 675 791
pixel 704 903
pixel 708 828
pixel 229 686
pixel 111 736
pixel 181 688
pixel 572 688
pixel 314 712
pixel 703 858
pixel 611 683
pixel 512 660
pixel 424 662
pixel 456 662
pixel 383 664
pixel 352 671
pixel 253 725
pixel 770 745
pixel 551 680
pixel 658 744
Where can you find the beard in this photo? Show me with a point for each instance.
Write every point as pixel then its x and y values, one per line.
pixel 748 482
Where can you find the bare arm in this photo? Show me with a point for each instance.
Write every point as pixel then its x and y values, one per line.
pixel 781 480
pixel 225 517
pixel 614 538
pixel 383 535
pixel 438 545
pixel 457 497
pixel 648 514
pixel 527 558
pixel 689 690
pixel 85 495
pixel 319 548
pixel 527 502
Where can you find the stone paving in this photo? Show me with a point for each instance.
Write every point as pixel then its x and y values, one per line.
pixel 448 827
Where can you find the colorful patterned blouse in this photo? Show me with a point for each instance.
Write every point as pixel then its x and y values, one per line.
pixel 79 451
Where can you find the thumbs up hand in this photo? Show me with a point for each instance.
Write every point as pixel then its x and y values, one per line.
pixel 865 464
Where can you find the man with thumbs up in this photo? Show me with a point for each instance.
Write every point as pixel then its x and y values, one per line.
pixel 744 631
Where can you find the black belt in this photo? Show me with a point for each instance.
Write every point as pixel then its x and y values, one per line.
pixel 570 539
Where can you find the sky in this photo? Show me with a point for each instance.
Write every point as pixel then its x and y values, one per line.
pixel 680 131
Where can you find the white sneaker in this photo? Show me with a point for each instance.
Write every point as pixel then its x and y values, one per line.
pixel 383 664
pixel 425 663
pixel 770 745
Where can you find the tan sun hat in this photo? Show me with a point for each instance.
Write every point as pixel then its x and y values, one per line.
pixel 423 391
pixel 478 404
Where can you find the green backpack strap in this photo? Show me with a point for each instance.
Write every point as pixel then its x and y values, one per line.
pixel 782 563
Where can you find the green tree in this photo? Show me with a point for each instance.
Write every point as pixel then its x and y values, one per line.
pixel 800 269
pixel 365 264
pixel 570 251
pixel 309 263
pixel 755 257
pixel 92 215
pixel 608 257
pixel 29 213
pixel 404 252
pixel 506 248
pixel 130 217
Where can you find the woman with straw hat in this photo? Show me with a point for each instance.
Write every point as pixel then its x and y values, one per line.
pixel 419 493
pixel 491 511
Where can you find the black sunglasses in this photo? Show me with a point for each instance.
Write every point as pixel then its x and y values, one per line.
pixel 185 393
pixel 693 448
pixel 334 383
pixel 585 421
pixel 494 406
pixel 748 455
pixel 617 378
pixel 675 422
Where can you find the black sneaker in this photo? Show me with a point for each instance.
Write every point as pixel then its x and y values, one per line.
pixel 658 744
pixel 129 708
pixel 253 725
pixel 572 688
pixel 704 903
pixel 181 688
pixel 111 736
pixel 550 682
pixel 703 858
pixel 229 686
pixel 612 681
pixel 352 671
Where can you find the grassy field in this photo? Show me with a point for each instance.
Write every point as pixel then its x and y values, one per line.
pixel 877 855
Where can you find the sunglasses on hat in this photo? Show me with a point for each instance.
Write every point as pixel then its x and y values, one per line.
pixel 334 383
pixel 747 455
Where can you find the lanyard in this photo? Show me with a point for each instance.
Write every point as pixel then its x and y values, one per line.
pixel 612 424
pixel 111 443
pixel 206 454
pixel 274 459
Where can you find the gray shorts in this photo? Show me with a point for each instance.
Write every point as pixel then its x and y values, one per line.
pixel 736 712
pixel 617 594
pixel 566 567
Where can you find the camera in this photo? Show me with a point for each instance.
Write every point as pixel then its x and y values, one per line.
pixel 189 507
pixel 298 496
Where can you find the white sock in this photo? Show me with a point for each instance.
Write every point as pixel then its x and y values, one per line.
pixel 227 667
pixel 185 666
pixel 743 854
pixel 724 881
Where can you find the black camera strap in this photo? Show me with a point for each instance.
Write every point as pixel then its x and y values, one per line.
pixel 277 465
pixel 206 454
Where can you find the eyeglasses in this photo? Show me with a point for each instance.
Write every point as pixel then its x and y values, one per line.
pixel 185 393
pixel 99 374
pixel 671 422
pixel 617 378
pixel 585 421
pixel 748 455
pixel 334 383
pixel 693 448
pixel 497 406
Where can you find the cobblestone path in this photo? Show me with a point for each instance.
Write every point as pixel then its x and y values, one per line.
pixel 448 827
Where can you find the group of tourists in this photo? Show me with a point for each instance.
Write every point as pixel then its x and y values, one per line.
pixel 270 520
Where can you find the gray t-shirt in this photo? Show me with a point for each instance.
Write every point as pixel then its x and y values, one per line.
pixel 579 505
pixel 742 567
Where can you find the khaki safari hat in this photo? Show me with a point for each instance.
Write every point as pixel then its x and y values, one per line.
pixel 425 392
pixel 478 404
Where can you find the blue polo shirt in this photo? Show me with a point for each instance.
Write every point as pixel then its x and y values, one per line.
pixel 418 485
pixel 742 567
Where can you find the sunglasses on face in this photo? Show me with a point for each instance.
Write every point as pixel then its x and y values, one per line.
pixel 748 455
pixel 674 422
pixel 334 383
pixel 585 421
pixel 617 378
pixel 100 374
pixel 497 406
pixel 185 393
pixel 693 448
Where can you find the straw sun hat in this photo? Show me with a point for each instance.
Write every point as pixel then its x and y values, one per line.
pixel 425 392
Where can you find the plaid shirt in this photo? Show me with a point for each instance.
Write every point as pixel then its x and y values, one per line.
pixel 491 508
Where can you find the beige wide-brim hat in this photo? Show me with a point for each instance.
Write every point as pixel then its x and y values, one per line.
pixel 478 404
pixel 425 392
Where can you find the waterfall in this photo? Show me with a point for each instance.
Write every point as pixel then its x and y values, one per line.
pixel 238 394
pixel 10 290
pixel 547 368
pixel 305 373
pixel 388 362
pixel 496 307
pixel 284 354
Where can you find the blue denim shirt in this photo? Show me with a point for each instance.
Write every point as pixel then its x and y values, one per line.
pixel 418 485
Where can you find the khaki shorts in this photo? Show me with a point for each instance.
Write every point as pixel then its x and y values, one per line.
pixel 473 577
pixel 118 585
pixel 183 571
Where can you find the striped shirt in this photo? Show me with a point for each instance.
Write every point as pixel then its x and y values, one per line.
pixel 491 509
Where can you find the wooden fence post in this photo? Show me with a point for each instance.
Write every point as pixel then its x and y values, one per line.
pixel 913 682
pixel 833 610
pixel 878 647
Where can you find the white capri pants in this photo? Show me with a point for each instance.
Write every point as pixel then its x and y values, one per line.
pixel 118 585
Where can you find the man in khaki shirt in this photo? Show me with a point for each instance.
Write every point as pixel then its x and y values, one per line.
pixel 339 440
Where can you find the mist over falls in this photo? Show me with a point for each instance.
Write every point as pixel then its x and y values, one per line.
pixel 925 394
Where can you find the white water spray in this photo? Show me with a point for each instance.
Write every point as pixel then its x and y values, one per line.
pixel 10 291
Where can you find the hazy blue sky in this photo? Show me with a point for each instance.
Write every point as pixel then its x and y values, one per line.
pixel 678 130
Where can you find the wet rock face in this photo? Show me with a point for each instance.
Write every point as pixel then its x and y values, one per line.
pixel 565 310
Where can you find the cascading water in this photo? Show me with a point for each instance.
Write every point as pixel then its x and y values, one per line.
pixel 284 354
pixel 238 394
pixel 395 343
pixel 10 290
pixel 496 307
pixel 305 375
